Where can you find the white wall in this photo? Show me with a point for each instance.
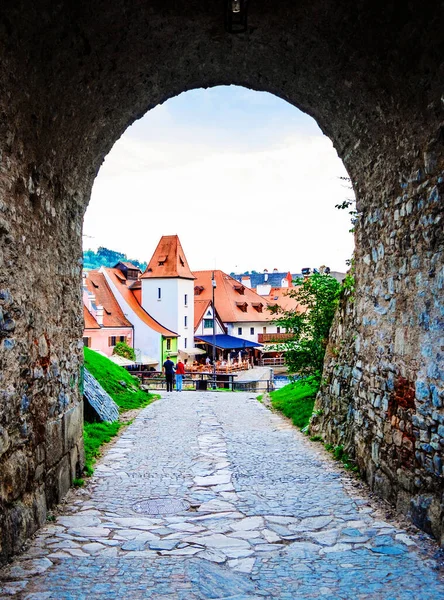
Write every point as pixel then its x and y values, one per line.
pixel 148 341
pixel 170 309
pixel 258 328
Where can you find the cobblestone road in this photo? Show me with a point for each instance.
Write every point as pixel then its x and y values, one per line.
pixel 249 509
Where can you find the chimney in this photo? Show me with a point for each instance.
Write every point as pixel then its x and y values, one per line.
pixel 99 315
pixel 246 281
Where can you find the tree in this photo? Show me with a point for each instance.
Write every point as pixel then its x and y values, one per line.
pixel 122 349
pixel 319 294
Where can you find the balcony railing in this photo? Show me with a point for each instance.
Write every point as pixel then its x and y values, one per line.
pixel 262 338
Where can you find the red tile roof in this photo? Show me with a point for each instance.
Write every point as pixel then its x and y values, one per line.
pixel 280 297
pixel 228 299
pixel 128 295
pixel 168 260
pixel 90 322
pixel 112 313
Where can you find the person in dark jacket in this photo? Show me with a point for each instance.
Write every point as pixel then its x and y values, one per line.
pixel 168 369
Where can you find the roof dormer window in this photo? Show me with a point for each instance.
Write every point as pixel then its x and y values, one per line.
pixel 240 289
pixel 242 305
pixel 258 306
pixel 198 290
pixel 162 260
pixel 181 261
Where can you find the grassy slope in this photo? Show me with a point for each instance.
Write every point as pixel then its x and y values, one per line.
pixel 94 435
pixel 109 374
pixel 296 400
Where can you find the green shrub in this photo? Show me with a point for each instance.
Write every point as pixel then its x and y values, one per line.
pixel 296 400
pixel 122 349
pixel 111 376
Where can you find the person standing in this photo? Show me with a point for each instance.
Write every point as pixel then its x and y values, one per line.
pixel 168 369
pixel 180 372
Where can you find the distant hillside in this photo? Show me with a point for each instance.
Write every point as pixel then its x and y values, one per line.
pixel 107 258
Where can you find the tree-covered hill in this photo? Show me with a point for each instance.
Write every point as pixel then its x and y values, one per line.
pixel 107 258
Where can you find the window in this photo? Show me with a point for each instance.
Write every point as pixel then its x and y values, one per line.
pixel 208 323
pixel 239 331
pixel 112 340
pixel 185 342
pixel 159 293
pixel 242 305
pixel 264 330
pixel 122 338
pixel 168 344
pixel 186 299
pixel 251 330
pixel 278 330
pixel 87 342
pixel 185 321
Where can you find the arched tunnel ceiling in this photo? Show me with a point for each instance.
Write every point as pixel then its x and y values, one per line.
pixel 357 68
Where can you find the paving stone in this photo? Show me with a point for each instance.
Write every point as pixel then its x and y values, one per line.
pixel 283 526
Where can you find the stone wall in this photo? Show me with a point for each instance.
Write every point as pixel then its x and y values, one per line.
pixel 75 75
pixel 383 397
pixel 41 413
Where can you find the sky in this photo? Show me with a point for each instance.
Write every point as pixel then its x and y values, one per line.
pixel 246 180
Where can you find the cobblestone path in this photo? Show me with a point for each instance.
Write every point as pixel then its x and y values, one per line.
pixel 249 510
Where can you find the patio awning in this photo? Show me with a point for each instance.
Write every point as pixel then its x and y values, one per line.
pixel 191 351
pixel 227 342
pixel 121 361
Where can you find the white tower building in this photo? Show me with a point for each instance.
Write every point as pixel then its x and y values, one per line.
pixel 168 290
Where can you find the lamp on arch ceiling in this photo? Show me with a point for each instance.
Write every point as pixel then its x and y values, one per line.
pixel 236 16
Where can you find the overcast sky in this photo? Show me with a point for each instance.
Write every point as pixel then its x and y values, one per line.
pixel 245 180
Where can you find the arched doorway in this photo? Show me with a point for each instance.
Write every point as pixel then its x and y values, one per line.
pixel 74 76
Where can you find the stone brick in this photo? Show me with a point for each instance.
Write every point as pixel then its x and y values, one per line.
pixel 73 426
pixel 54 442
pixel 14 476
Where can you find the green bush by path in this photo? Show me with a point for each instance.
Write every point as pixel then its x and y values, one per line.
pixel 94 435
pixel 296 400
pixel 108 374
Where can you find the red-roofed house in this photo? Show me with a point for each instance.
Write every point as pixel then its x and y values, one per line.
pixel 152 340
pixel 242 311
pixel 105 323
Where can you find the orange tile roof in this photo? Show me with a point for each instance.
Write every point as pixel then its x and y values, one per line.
pixel 112 313
pixel 168 260
pixel 280 297
pixel 89 320
pixel 227 299
pixel 128 295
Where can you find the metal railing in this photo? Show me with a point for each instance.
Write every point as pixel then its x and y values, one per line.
pixel 272 362
pixel 274 337
pixel 208 383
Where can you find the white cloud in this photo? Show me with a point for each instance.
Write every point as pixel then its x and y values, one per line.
pixel 233 209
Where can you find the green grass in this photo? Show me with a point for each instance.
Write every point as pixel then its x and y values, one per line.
pixel 259 398
pixel 296 400
pixel 94 435
pixel 109 374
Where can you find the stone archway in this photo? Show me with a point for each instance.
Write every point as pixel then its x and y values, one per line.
pixel 74 75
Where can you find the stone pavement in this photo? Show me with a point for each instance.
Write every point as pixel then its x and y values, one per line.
pixel 211 496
